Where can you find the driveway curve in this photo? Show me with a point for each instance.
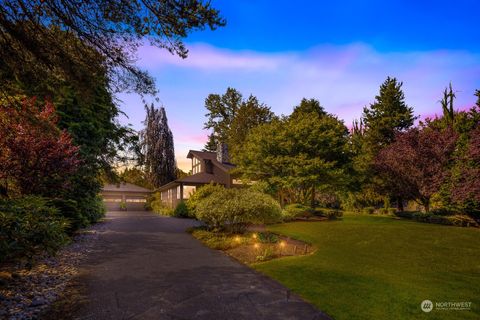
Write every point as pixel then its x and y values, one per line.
pixel 144 266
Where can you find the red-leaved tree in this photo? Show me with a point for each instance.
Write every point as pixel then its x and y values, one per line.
pixel 414 166
pixel 35 156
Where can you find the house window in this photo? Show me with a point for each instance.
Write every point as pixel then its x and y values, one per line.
pixel 178 193
pixel 209 166
pixel 187 191
pixel 196 165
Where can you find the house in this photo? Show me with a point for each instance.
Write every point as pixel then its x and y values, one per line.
pixel 132 196
pixel 207 167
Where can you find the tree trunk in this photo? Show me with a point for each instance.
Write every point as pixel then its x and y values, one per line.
pixel 312 200
pixel 426 204
pixel 400 204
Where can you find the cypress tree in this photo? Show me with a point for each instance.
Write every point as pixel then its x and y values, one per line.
pixel 158 155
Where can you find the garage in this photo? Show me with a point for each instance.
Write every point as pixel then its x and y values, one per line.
pixel 124 196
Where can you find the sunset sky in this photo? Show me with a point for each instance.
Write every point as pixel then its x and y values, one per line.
pixel 338 53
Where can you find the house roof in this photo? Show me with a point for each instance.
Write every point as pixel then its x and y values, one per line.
pixel 212 156
pixel 198 178
pixel 124 187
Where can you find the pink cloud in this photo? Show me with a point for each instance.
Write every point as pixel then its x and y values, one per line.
pixel 206 57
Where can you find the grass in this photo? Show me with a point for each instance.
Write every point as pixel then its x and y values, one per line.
pixel 377 267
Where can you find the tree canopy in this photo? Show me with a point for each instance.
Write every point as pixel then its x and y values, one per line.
pixel 36 158
pixel 415 165
pixel 298 153
pixel 56 37
pixel 230 117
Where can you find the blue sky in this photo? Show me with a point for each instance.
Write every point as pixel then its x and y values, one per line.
pixel 336 52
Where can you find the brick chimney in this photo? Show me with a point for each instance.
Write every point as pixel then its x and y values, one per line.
pixel 222 153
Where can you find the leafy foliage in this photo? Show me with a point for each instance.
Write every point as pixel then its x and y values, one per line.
pixel 233 210
pixel 33 43
pixel 35 156
pixel 298 153
pixel 231 118
pixel 201 193
pixel 421 169
pixel 181 210
pixel 295 210
pixel 135 176
pixel 29 226
pixel 158 206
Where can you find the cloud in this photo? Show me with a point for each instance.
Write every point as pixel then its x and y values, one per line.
pixel 206 57
pixel 343 78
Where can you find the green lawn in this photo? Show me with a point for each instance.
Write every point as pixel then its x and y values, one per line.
pixel 373 267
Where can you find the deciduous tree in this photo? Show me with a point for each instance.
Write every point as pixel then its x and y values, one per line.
pixel 298 153
pixel 36 158
pixel 416 164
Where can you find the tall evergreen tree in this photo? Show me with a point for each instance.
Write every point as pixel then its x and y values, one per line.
pixel 388 115
pixel 158 155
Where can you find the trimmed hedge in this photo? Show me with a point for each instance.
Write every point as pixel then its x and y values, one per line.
pixel 233 210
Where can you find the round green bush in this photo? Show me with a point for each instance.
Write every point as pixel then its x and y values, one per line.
pixel 201 193
pixel 233 210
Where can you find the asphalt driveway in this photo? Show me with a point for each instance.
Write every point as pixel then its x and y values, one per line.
pixel 144 266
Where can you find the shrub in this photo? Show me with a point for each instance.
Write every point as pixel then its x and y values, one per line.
pixel 159 207
pixel 404 214
pixel 383 210
pixel 368 210
pixel 267 237
pixel 265 255
pixel 455 220
pixel 333 214
pixel 234 210
pixel 392 211
pixel 200 194
pixel 214 240
pixel 462 221
pixel 294 211
pixel 69 209
pixel 442 212
pixel 319 212
pixel 181 211
pixel 29 226
pixel 92 208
